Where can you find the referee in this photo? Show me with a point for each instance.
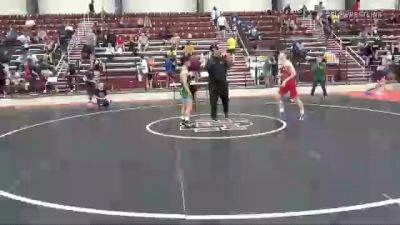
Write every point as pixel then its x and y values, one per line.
pixel 217 67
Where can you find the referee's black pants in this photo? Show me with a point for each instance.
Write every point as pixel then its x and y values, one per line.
pixel 219 91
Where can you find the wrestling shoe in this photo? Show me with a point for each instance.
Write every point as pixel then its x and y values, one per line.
pixel 188 125
pixel 302 117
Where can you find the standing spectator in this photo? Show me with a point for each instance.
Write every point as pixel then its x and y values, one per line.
pixel 319 73
pixel 3 80
pixel 147 22
pixel 368 53
pixel 143 42
pixel 222 24
pixel 189 49
pixel 287 9
pixel 267 72
pixel 143 69
pixel 120 44
pixel 214 15
pixel 71 77
pixel 90 82
pixel 175 41
pixel 91 7
pixel 232 47
pixel 356 6
pixel 169 69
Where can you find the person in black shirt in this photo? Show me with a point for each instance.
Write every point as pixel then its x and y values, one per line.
pixel 91 7
pixel 3 78
pixel 101 96
pixel 90 82
pixel 217 67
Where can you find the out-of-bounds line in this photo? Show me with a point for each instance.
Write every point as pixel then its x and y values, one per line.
pixel 201 217
pixel 196 217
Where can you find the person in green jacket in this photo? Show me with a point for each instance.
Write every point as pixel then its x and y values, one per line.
pixel 319 74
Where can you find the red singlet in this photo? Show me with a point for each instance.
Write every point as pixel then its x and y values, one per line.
pixel 291 85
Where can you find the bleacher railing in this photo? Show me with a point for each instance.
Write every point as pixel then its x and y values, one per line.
pixel 360 61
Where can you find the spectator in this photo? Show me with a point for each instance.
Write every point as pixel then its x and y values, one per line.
pixel 267 72
pixel 368 54
pixel 287 9
pixel 175 41
pixel 169 69
pixel 92 41
pixel 172 54
pixel 91 7
pixel 3 80
pixel 165 34
pixel 121 23
pixel 101 96
pixel 47 58
pixel 232 47
pixel 387 59
pixel 24 39
pixel 96 29
pixel 213 48
pixel 26 54
pixel 140 22
pixel 147 22
pixel 11 35
pixel 71 77
pixel 143 42
pixel 215 13
pixel 112 38
pixel 143 69
pixel 222 24
pixel 189 49
pixel 120 44
pixel 110 51
pixel 132 45
pixel 90 83
pixel 31 76
pixel 356 6
pixel 319 73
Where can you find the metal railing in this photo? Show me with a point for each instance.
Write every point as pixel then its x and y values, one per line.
pixel 360 61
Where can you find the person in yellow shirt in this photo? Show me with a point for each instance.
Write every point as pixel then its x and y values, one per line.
pixel 172 53
pixel 189 49
pixel 232 47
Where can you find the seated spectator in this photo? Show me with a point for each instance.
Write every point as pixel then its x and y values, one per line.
pixel 24 39
pixel 387 59
pixel 143 42
pixel 121 23
pixel 101 96
pixel 30 24
pixel 175 41
pixel 169 69
pixel 31 76
pixel 48 57
pixel 27 55
pixel 110 51
pixel 212 48
pixel 71 77
pixel 172 53
pixel 42 35
pixel 392 19
pixel 120 44
pixel 86 52
pixel 165 35
pixel 368 54
pixel 195 66
pixel 143 69
pixel 189 49
pixel 132 45
pixel 147 22
pixel 112 39
pixel 140 22
pixel 96 29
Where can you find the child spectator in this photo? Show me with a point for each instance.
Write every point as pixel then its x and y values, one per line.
pixel 189 49
pixel 101 96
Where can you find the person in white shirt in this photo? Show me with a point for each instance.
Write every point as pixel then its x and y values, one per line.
pixel 222 24
pixel 214 15
pixel 142 68
pixel 110 51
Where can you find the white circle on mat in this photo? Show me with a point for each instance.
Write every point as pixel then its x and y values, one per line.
pixel 150 129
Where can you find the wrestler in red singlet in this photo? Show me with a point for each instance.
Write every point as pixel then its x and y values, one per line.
pixel 291 85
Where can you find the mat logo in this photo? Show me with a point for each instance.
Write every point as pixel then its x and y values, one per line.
pixel 205 125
